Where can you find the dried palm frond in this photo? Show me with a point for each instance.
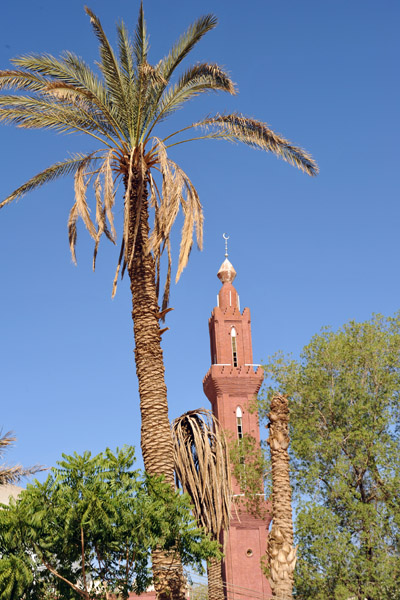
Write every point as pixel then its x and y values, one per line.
pixel 237 127
pixel 202 468
pixel 72 232
pixel 175 181
pixel 11 475
pixel 80 187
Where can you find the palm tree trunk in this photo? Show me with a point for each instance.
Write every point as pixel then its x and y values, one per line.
pixel 281 552
pixel 215 582
pixel 156 440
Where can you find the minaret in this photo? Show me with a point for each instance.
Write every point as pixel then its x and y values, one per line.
pixel 231 385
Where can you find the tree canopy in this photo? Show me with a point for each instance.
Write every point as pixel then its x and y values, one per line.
pixel 89 530
pixel 345 417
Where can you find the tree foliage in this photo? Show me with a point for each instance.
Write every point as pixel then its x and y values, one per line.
pixel 249 468
pixel 344 398
pixel 89 530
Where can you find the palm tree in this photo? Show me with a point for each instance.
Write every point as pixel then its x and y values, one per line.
pixel 281 552
pixel 121 108
pixel 11 475
pixel 203 470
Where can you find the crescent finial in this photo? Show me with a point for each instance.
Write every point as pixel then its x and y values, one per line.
pixel 226 238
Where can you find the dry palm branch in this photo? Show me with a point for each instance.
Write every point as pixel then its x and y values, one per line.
pixel 11 475
pixel 202 469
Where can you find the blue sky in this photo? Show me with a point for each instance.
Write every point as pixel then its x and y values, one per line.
pixel 308 252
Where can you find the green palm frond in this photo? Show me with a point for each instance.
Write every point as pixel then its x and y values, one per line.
pixel 196 80
pixel 59 99
pixel 69 97
pixel 70 69
pixel 128 70
pixel 141 44
pixel 238 128
pixel 37 113
pixel 178 52
pixel 73 71
pixel 60 169
pixel 109 66
pixel 125 52
pixel 24 112
pixel 97 92
pixel 185 44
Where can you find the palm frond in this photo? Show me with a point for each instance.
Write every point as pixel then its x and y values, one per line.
pixel 105 197
pixel 185 44
pixel 198 79
pixel 60 169
pixel 170 200
pixel 73 71
pixel 125 52
pixel 178 52
pixel 80 186
pixel 97 92
pixel 238 128
pixel 109 192
pixel 36 113
pixel 69 97
pixel 115 282
pixel 109 66
pixel 11 475
pixel 72 230
pixel 21 80
pixel 193 218
pixel 69 69
pixel 100 217
pixel 202 468
pixel 174 183
pixel 167 283
pixel 141 43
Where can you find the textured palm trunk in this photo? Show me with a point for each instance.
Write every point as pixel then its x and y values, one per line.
pixel 156 440
pixel 215 582
pixel 281 552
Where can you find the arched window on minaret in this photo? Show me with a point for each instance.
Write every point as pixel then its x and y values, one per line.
pixel 239 423
pixel 234 347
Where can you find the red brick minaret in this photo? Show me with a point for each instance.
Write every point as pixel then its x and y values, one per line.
pixel 231 384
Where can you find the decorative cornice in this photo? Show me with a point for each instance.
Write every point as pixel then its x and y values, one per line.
pixel 225 379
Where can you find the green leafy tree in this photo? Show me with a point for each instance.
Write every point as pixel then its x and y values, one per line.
pixel 344 401
pixel 120 109
pixel 89 529
pixel 249 468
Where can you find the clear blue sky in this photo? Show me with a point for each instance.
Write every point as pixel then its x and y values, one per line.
pixel 308 252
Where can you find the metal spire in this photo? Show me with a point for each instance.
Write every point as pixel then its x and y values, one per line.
pixel 226 272
pixel 226 238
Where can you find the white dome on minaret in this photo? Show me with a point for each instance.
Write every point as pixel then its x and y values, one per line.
pixel 226 272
